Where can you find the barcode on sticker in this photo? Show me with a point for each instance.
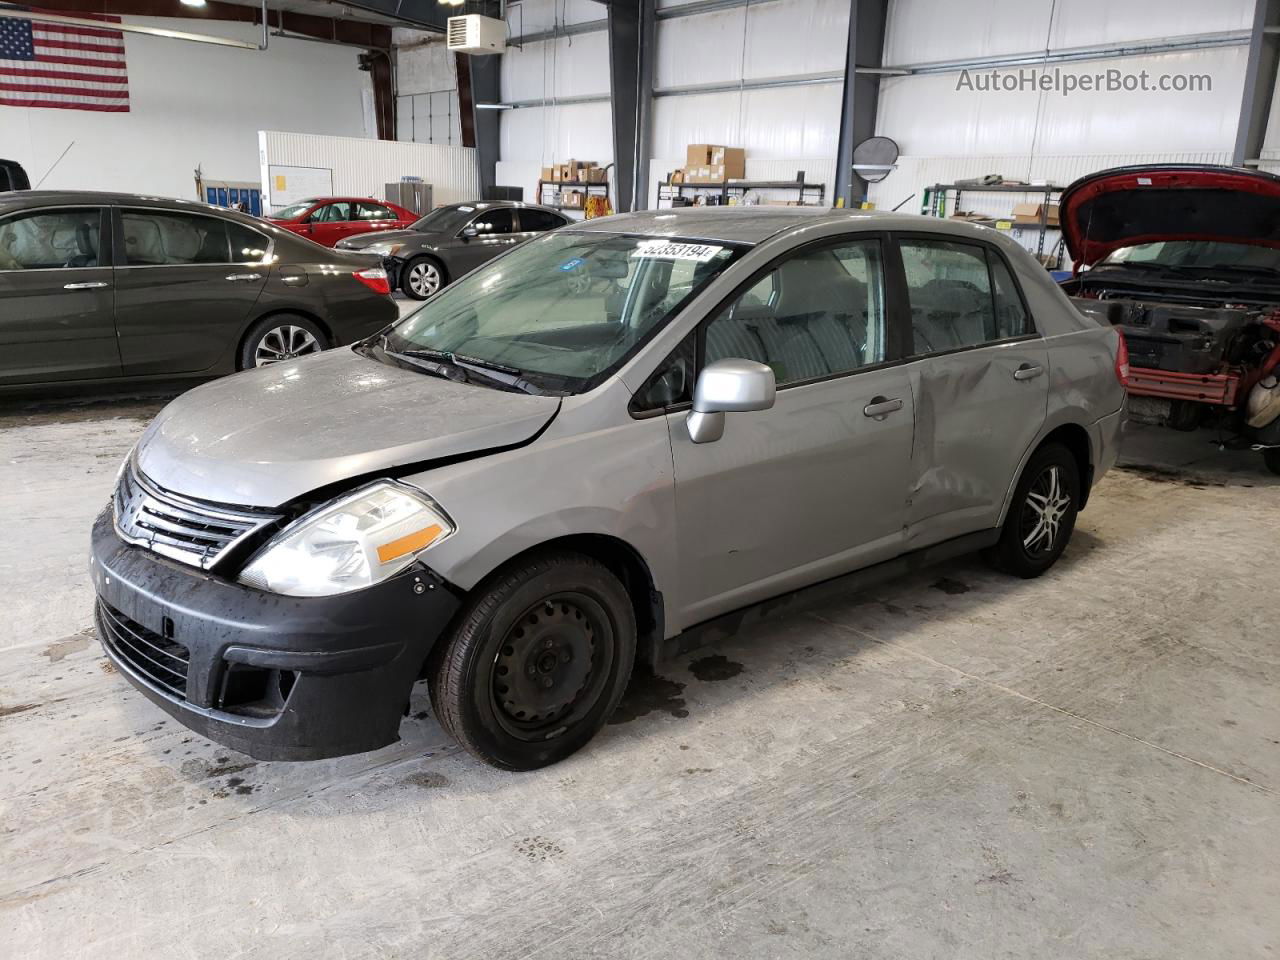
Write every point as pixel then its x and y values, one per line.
pixel 666 250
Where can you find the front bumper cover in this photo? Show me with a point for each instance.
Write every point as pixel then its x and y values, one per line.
pixel 349 661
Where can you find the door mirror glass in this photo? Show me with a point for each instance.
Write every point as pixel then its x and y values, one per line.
pixel 470 231
pixel 728 386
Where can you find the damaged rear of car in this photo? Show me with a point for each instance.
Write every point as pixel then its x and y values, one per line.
pixel 1185 261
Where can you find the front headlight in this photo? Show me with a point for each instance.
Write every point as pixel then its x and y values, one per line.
pixel 384 249
pixel 354 542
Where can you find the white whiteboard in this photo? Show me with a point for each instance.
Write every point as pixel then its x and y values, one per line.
pixel 286 184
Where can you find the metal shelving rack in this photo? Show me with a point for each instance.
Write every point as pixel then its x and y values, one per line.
pixel 935 200
pixel 809 194
pixel 557 186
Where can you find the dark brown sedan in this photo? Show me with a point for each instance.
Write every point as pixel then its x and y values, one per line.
pixel 100 288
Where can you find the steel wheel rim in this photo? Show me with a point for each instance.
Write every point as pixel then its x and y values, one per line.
pixel 424 278
pixel 552 666
pixel 1046 504
pixel 284 343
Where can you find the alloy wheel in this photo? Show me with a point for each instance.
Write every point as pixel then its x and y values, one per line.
pixel 284 343
pixel 1047 502
pixel 424 278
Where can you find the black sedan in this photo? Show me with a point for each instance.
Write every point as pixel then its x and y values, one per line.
pixel 97 288
pixel 453 240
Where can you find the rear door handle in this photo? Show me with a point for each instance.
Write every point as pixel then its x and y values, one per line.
pixel 1028 371
pixel 239 277
pixel 90 285
pixel 881 407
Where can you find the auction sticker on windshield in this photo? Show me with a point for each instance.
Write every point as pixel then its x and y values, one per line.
pixel 667 250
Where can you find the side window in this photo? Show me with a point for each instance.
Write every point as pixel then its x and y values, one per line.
pixel 949 289
pixel 493 223
pixel 331 213
pixel 816 314
pixel 1011 315
pixel 672 382
pixel 374 211
pixel 247 246
pixel 539 220
pixel 152 238
pixel 50 239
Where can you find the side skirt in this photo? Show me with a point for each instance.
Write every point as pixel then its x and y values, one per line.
pixel 730 624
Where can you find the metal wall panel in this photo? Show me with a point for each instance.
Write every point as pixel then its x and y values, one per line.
pixel 363 167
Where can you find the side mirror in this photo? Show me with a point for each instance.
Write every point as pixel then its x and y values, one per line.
pixel 468 232
pixel 728 386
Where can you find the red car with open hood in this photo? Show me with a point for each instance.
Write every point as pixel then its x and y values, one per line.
pixel 1185 261
pixel 326 220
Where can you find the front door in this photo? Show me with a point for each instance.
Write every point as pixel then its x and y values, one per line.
pixel 981 385
pixel 494 233
pixel 56 319
pixel 815 486
pixel 182 296
pixel 330 222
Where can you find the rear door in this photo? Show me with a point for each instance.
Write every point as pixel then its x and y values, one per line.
pixel 56 319
pixel 182 294
pixel 495 232
pixel 371 215
pixel 980 381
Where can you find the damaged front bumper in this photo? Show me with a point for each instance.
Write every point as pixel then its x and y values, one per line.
pixel 276 677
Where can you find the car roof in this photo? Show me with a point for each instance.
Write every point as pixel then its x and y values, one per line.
pixel 754 224
pixel 31 198
pixel 494 205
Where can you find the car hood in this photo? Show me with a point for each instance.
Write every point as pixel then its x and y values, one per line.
pixel 265 437
pixel 362 240
pixel 1126 206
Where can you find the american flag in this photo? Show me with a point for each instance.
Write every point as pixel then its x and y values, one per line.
pixel 63 66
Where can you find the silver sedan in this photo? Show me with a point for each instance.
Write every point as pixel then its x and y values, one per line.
pixel 582 454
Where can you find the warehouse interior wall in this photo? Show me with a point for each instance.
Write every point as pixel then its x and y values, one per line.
pixel 548 71
pixel 947 132
pixel 219 97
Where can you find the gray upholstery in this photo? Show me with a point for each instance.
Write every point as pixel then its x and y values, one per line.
pixel 949 314
pixel 817 327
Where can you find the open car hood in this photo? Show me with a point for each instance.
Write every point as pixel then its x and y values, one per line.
pixel 1125 206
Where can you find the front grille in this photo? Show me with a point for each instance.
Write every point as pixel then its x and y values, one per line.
pixel 176 527
pixel 161 660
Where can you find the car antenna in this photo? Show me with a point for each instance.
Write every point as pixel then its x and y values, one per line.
pixel 54 164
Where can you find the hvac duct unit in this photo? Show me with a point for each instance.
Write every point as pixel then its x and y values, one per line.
pixel 476 34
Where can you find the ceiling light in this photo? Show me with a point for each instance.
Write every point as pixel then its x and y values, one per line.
pixel 192 3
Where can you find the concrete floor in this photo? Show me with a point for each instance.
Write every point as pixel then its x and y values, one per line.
pixel 956 765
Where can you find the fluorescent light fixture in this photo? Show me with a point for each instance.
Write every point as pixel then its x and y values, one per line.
pixel 494 106
pixel 192 3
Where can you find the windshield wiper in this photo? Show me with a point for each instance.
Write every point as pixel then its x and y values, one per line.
pixel 497 373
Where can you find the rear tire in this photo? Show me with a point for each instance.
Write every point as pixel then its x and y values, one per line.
pixel 282 336
pixel 422 277
pixel 1185 415
pixel 536 663
pixel 1272 459
pixel 1041 516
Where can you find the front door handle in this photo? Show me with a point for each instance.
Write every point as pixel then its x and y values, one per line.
pixel 244 277
pixel 881 407
pixel 90 285
pixel 1028 371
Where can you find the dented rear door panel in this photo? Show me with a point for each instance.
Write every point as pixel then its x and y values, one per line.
pixel 974 422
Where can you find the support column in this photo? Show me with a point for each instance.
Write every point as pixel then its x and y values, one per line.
pixel 861 92
pixel 1259 82
pixel 631 48
pixel 479 81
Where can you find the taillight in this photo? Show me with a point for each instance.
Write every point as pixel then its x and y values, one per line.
pixel 1122 359
pixel 375 278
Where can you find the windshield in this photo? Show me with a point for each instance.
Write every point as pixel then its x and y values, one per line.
pixel 443 220
pixel 563 310
pixel 1199 255
pixel 293 210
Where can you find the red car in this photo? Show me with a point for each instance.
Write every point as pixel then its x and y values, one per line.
pixel 327 220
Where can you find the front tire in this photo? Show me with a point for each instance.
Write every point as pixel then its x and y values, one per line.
pixel 284 336
pixel 1042 515
pixel 422 277
pixel 537 662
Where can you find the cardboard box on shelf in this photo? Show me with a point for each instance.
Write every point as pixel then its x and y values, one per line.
pixel 548 174
pixel 1028 214
pixel 572 199
pixel 597 175
pixel 676 176
pixel 733 159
